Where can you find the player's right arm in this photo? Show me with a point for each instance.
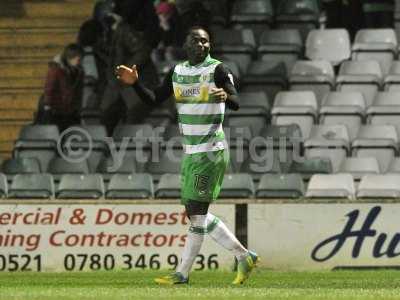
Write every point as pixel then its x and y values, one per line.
pixel 130 76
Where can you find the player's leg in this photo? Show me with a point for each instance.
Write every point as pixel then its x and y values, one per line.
pixel 197 213
pixel 218 230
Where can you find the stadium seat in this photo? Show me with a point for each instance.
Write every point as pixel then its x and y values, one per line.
pixel 161 116
pixel 265 76
pixel 234 68
pixel 172 137
pixel 238 139
pixel 130 186
pixel 169 186
pixel 169 161
pixel 329 136
pixel 379 186
pixel 315 76
pixel 109 166
pixel 394 166
pixel 90 116
pixel 254 118
pixel 307 167
pixel 219 11
pixel 331 45
pixel 3 186
pixel 136 136
pixel 280 45
pixel 254 100
pixel 392 79
pixel 336 157
pixel 289 134
pixel 347 108
pixel 236 45
pixel 331 186
pixel 360 166
pixel 361 76
pixel 254 14
pixel 376 44
pixel 32 186
pixel 300 14
pixel 295 108
pixel 385 110
pixel 13 166
pixel 261 162
pixel 90 139
pixel 136 140
pixel 38 141
pixel 58 166
pixel 75 186
pixel 379 141
pixel 237 186
pixel 285 140
pixel 280 186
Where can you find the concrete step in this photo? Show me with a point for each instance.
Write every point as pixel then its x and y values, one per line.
pixel 23 69
pixel 22 83
pixel 37 38
pixel 16 115
pixel 37 23
pixel 6 149
pixel 38 53
pixel 20 100
pixel 9 132
pixel 53 9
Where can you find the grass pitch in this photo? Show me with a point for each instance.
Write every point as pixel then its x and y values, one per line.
pixel 208 285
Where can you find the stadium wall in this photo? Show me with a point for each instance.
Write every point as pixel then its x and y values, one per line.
pixel 108 235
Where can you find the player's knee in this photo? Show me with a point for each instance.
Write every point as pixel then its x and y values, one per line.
pixel 196 208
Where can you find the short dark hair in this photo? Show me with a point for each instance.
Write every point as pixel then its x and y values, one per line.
pixel 198 27
pixel 71 51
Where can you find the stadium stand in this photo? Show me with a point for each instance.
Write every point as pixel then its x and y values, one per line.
pixel 297 82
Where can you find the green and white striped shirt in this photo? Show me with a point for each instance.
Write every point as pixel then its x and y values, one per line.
pixel 200 116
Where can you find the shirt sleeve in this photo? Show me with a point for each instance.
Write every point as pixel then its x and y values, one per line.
pixel 224 79
pixel 159 94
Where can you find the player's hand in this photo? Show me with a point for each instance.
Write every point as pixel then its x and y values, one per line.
pixel 127 75
pixel 219 94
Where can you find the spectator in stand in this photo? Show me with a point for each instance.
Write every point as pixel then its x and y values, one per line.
pixel 63 88
pixel 378 13
pixel 344 14
pixel 94 62
pixel 168 20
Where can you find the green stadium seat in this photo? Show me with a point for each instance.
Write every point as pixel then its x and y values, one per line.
pixel 169 186
pixel 108 167
pixel 83 186
pixel 32 186
pixel 310 166
pixel 280 186
pixel 3 186
pixel 130 186
pixel 237 186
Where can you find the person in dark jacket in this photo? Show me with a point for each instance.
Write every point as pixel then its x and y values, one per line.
pixel 118 102
pixel 63 88
pixel 378 13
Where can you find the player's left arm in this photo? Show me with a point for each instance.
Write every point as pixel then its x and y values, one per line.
pixel 224 79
